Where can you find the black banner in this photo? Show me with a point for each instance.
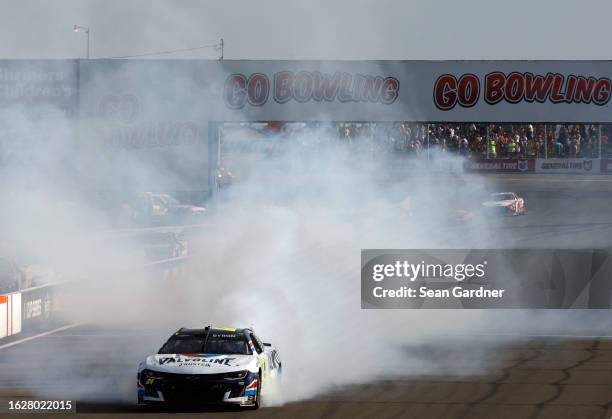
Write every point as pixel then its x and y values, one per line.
pixel 493 278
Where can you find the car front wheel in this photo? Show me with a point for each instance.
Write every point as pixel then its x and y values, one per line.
pixel 258 394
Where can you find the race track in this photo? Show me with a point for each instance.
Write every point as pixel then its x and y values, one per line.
pixel 541 376
pixel 535 377
pixel 561 209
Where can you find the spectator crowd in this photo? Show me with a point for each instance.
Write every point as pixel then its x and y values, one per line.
pixel 478 140
pixel 483 140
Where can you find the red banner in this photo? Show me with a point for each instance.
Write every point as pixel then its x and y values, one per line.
pixel 499 165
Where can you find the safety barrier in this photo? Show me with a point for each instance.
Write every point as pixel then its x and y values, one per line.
pixel 10 314
pixel 35 307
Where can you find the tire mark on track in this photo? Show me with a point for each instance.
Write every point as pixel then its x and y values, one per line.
pixel 567 374
pixel 496 385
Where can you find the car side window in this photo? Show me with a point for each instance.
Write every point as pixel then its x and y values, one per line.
pixel 256 343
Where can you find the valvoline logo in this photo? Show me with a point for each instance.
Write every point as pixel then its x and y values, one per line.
pixel 195 360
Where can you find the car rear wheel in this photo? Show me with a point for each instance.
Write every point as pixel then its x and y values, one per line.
pixel 143 407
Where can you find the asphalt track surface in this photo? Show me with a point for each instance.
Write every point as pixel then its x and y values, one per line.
pixel 531 376
pixel 561 209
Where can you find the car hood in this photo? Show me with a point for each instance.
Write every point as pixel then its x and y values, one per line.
pixel 498 203
pixel 200 363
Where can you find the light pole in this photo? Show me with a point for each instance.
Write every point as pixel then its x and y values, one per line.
pixel 221 46
pixel 85 29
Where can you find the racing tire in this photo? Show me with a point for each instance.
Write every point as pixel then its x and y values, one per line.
pixel 257 404
pixel 140 402
pixel 145 408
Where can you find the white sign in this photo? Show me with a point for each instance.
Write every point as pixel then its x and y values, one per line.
pixel 422 91
pixel 567 166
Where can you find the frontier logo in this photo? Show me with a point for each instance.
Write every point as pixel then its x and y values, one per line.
pixel 586 165
pixel 306 86
pixel 500 165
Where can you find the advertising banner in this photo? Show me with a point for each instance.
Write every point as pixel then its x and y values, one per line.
pixel 4 317
pixel 499 165
pixel 453 91
pixel 145 114
pixel 176 94
pixel 606 166
pixel 10 314
pixel 39 87
pixel 38 304
pixel 153 103
pixel 575 166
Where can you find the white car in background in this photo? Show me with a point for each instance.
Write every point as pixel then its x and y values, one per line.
pixel 505 203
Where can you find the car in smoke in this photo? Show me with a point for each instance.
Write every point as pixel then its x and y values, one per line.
pixel 505 203
pixel 161 245
pixel 225 178
pixel 163 209
pixel 209 365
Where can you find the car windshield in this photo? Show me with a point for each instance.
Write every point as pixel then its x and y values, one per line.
pixel 502 197
pixel 221 343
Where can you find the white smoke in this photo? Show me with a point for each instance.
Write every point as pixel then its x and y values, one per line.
pixel 280 251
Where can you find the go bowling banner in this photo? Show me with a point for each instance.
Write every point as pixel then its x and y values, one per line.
pixel 425 91
pixel 132 95
pixel 124 92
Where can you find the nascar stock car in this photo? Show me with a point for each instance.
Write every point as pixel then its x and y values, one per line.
pixel 209 365
pixel 506 203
